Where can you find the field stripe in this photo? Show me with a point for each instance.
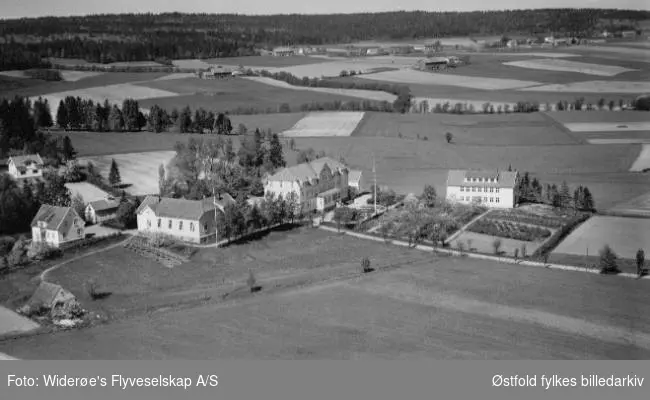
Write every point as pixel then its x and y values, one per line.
pixel 374 95
pixel 553 64
pixel 643 160
pixel 409 292
pixel 608 126
pixel 627 87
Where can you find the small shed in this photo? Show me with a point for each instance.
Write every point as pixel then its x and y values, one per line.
pixel 50 295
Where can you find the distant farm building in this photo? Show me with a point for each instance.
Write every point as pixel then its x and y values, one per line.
pixel 372 51
pixel 50 296
pixel 495 189
pixel 400 49
pixel 436 63
pixel 628 34
pixel 284 52
pixel 101 210
pixel 217 72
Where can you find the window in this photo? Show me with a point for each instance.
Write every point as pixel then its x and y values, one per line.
pixel 35 171
pixel 79 231
pixel 170 224
pixel 491 190
pixel 491 199
pixel 22 172
pixel 148 223
pixel 462 189
pixel 191 226
pixel 497 199
pixel 159 222
pixel 180 225
pixel 485 199
pixel 205 227
pixel 496 190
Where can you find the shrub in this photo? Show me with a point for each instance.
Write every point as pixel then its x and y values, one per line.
pixel 365 265
pixel 91 288
pixel 18 254
pixel 523 251
pixel 6 244
pixel 251 280
pixel 41 251
pixel 496 244
pixel 608 261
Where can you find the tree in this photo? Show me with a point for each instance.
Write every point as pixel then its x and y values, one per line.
pixel 68 152
pixel 79 205
pixel 53 191
pixel 587 200
pixel 343 215
pixel 116 120
pixel 162 181
pixel 276 155
pixel 157 119
pixel 131 113
pixel 222 123
pixel 365 265
pixel 640 261
pixel 114 175
pixel 292 205
pixel 251 281
pixel 608 261
pixel 565 195
pixel 496 244
pixel 429 196
pixel 229 152
pixel 255 219
pixel 449 137
pixel 62 116
pixel 385 229
pixel 42 114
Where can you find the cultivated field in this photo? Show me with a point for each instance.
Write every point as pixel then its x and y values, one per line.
pixel 553 64
pixel 334 68
pixel 374 95
pixel 11 322
pixel 607 127
pixel 408 76
pixel 138 170
pixel 88 191
pixel 594 87
pixel 325 124
pixel 639 205
pixel 177 75
pixel 68 76
pixel 624 235
pixel 615 52
pixel 425 308
pixel 642 163
pixel 265 61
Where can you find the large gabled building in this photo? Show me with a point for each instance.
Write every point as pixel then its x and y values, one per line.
pixel 495 189
pixel 319 185
pixel 27 166
pixel 56 226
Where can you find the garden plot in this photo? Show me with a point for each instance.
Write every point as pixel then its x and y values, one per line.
pixel 375 95
pixel 88 191
pixel 643 160
pixel 407 76
pixel 553 64
pixel 138 170
pixel 623 234
pixel 593 87
pixel 481 243
pixel 325 124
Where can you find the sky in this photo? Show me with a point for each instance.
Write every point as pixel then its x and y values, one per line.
pixel 37 8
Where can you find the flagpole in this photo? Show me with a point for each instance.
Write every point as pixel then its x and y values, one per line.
pixel 374 172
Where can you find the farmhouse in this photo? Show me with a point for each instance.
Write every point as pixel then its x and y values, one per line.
pixel 433 63
pixel 56 226
pixel 319 185
pixel 101 210
pixel 489 188
pixel 50 296
pixel 283 51
pixel 28 166
pixel 355 180
pixel 187 220
pixel 372 51
pixel 217 72
pixel 628 34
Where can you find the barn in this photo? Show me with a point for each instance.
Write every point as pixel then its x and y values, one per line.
pixel 433 63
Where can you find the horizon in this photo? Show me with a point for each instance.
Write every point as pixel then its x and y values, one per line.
pixel 19 9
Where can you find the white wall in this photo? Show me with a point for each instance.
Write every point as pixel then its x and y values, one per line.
pixel 29 173
pixel 505 197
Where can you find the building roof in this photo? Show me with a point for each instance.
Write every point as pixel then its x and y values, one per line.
pixel 505 179
pixel 22 162
pixel 354 175
pixel 183 208
pixel 306 172
pixel 45 294
pixel 435 60
pixel 283 49
pixel 53 216
pixel 104 204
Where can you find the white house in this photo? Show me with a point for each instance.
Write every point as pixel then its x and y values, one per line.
pixel 356 181
pixel 101 210
pixel 28 166
pixel 56 226
pixel 284 51
pixel 318 185
pixel 188 220
pixel 494 189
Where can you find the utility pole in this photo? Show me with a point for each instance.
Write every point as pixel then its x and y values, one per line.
pixel 214 200
pixel 374 172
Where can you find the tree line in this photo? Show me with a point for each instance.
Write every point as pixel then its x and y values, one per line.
pixel 150 37
pixel 533 191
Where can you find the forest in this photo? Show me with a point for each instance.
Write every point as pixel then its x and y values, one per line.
pixel 161 37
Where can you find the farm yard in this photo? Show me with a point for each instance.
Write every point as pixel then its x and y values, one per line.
pixel 326 124
pixel 624 235
pixel 138 170
pixel 470 308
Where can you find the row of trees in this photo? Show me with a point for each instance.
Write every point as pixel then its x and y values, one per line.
pixel 532 191
pixel 75 113
pixel 136 37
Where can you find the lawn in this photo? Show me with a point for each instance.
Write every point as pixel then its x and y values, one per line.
pixel 230 94
pixel 88 191
pixel 491 130
pixel 426 308
pixel 139 171
pixel 624 235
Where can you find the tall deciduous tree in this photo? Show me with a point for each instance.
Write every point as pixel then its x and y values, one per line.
pixel 429 196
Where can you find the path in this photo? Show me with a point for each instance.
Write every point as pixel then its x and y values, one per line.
pixel 483 256
pixel 43 275
pixel 464 227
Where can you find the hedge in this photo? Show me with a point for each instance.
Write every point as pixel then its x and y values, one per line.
pixel 89 241
pixel 559 235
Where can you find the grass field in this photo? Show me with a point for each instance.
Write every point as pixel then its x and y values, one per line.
pixel 408 76
pixel 331 68
pixel 624 235
pixel 138 170
pixel 265 61
pixel 88 191
pixel 426 308
pixel 230 94
pixel 12 323
pixel 615 52
pixel 554 64
pixel 489 130
pixel 483 243
pixel 636 87
pixel 639 205
pixel 326 124
pixel 642 163
pixel 374 95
